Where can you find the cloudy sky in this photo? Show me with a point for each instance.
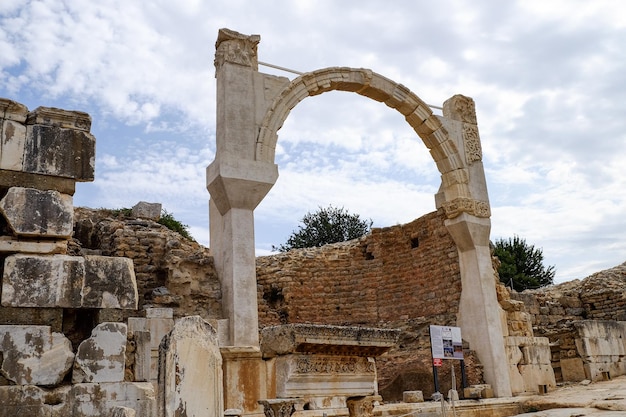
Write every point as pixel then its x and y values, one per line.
pixel 548 79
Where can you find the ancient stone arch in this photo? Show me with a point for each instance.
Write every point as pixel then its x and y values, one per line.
pixel 252 107
pixel 417 114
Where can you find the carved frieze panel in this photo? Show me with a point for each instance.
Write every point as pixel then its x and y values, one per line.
pixel 466 205
pixel 302 375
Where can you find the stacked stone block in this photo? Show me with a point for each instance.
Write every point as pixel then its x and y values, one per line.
pixel 556 312
pixel 43 154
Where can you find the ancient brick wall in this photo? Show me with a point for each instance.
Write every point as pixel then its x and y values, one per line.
pixel 395 273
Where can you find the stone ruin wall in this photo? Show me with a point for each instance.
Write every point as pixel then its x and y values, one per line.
pixel 336 284
pixel 171 271
pixel 405 276
pixel 558 312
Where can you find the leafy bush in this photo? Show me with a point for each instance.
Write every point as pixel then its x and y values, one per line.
pixel 168 220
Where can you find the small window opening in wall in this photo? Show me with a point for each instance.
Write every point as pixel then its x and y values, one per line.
pixel 415 242
pixel 367 254
pixel 543 389
pixel 606 376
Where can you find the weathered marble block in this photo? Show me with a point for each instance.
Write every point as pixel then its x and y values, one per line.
pixel 336 340
pixel 58 143
pixel 305 375
pixel 190 371
pixel 15 245
pixel 529 361
pixel 325 364
pixel 34 355
pixel 43 281
pixel 109 283
pixel 69 281
pixel 79 400
pixel 101 357
pixel 35 213
pixel 146 210
pixel 12 145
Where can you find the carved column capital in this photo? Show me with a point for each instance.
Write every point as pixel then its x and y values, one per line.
pixel 461 108
pixel 236 48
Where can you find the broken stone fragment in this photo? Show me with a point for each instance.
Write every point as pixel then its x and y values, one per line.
pixel 190 370
pixel 79 400
pixel 33 355
pixel 12 141
pixel 109 283
pixel 101 358
pixel 35 213
pixel 144 210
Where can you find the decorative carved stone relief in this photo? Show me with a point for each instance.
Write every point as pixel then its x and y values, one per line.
pixel 314 364
pixel 471 139
pixel 466 205
pixel 278 407
pixel 236 48
pixel 460 108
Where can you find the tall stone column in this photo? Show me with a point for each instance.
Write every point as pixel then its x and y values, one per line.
pixel 237 182
pixel 466 203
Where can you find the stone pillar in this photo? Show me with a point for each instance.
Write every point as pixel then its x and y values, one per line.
pixel 479 316
pixel 465 200
pixel 236 181
pixel 240 390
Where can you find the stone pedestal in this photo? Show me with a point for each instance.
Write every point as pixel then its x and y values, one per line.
pixel 327 368
pixel 245 379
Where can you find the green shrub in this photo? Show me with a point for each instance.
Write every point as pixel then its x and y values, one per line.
pixel 168 220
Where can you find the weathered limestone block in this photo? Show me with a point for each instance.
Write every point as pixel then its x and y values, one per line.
pixel 157 323
pixel 97 400
pixel 69 281
pixel 58 143
pixel 34 355
pixel 337 340
pixel 300 375
pixel 123 412
pixel 190 371
pixel 413 397
pixel 530 366
pixel 101 358
pixel 14 245
pixel 12 134
pixel 34 213
pixel 80 400
pixel 146 210
pixel 42 281
pixel 109 283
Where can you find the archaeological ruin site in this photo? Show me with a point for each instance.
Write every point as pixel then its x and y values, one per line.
pixel 109 313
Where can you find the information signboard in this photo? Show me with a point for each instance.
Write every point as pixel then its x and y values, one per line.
pixel 446 342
